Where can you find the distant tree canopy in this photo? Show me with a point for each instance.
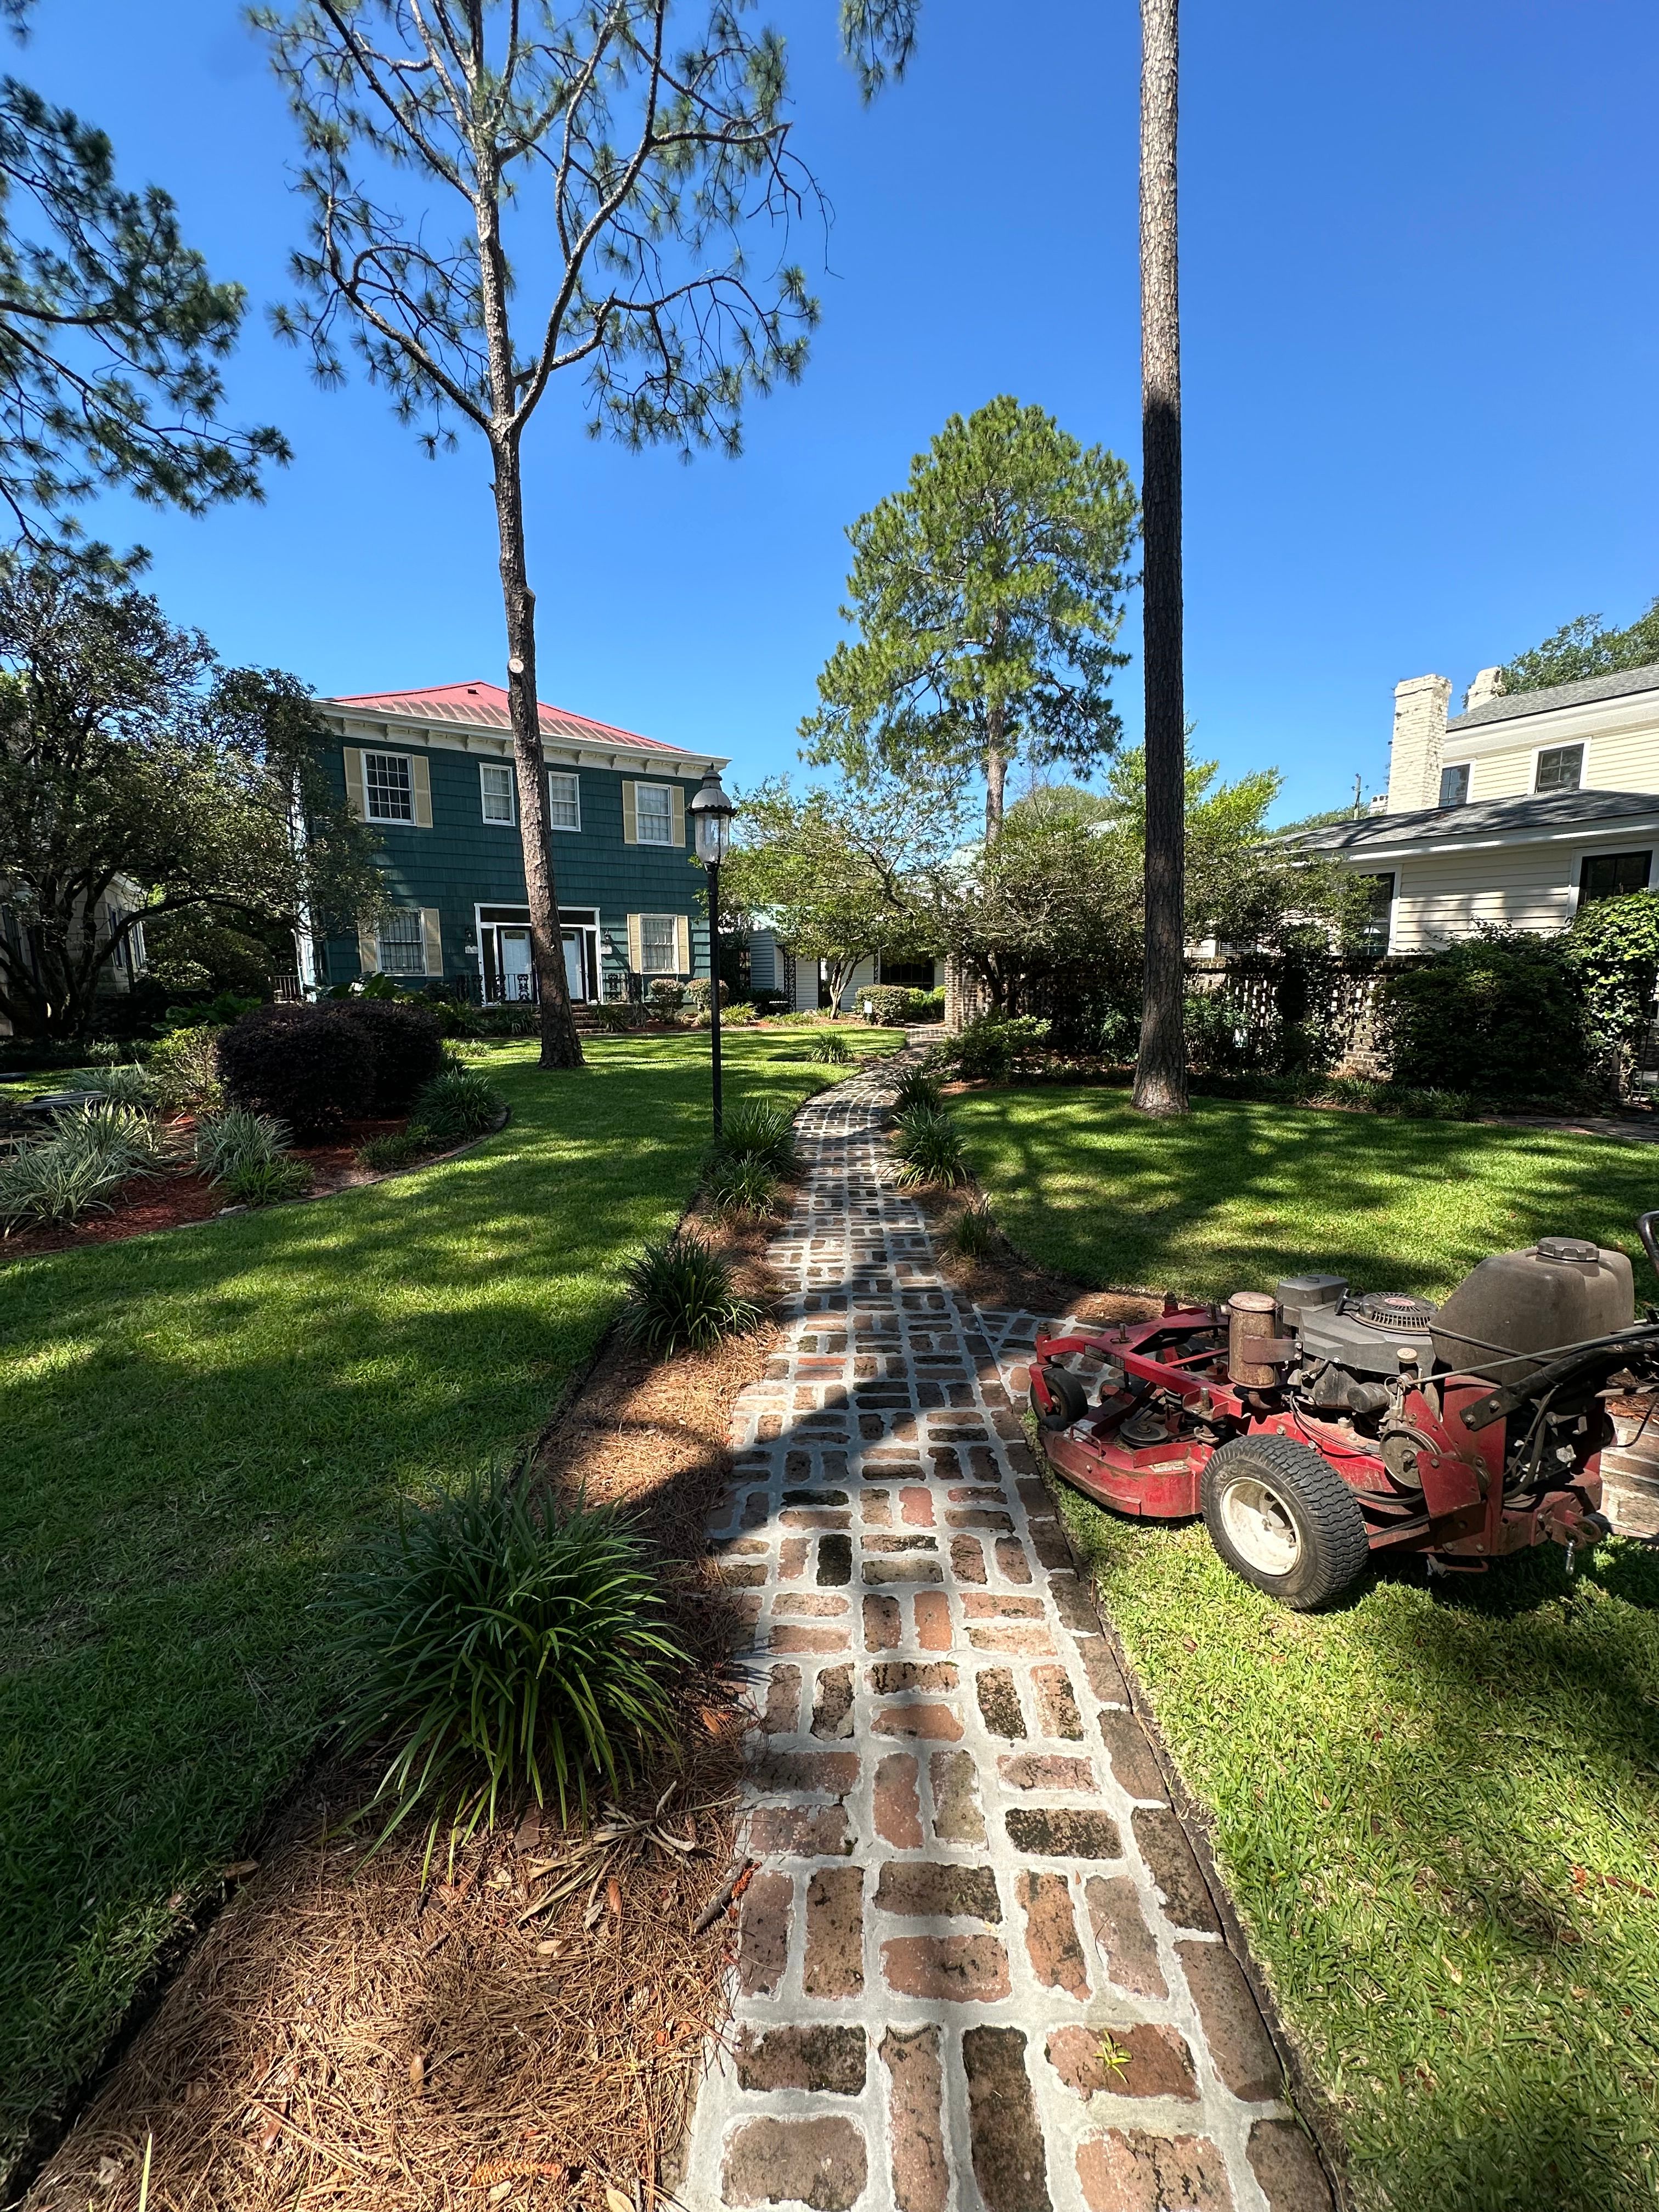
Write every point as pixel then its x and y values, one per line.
pixel 141 778
pixel 110 331
pixel 1584 648
pixel 986 597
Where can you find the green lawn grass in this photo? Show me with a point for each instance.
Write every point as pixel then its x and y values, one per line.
pixel 1437 1806
pixel 1235 1195
pixel 199 1425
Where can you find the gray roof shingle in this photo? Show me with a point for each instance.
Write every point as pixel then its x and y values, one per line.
pixel 1618 685
pixel 1483 818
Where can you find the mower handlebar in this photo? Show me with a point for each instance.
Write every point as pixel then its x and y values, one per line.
pixel 1644 1230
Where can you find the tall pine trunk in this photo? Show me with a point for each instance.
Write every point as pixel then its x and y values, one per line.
pixel 561 1046
pixel 1161 1071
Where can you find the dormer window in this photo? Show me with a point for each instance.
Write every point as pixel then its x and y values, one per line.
pixel 1455 785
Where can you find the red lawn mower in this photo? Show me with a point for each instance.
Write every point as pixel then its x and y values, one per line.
pixel 1322 1425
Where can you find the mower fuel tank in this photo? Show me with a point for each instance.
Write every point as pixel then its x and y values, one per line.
pixel 1294 1294
pixel 1559 1291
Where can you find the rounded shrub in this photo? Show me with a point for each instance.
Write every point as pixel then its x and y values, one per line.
pixel 667 996
pixel 928 1146
pixel 408 1045
pixel 503 1654
pixel 698 994
pixel 312 1067
pixel 994 1048
pixel 1500 1016
pixel 680 1297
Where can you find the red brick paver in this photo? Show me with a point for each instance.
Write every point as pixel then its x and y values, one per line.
pixel 977 1964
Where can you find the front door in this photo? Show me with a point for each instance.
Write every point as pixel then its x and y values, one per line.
pixel 575 966
pixel 518 970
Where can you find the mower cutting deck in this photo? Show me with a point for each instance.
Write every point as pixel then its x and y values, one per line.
pixel 1318 1425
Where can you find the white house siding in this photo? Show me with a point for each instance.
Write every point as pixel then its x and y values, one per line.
pixel 1446 896
pixel 1506 774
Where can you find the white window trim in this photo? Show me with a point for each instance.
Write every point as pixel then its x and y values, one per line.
pixel 1449 768
pixel 1575 876
pixel 495 820
pixel 377 752
pixel 1561 745
pixel 569 828
pixel 1394 875
pixel 663 844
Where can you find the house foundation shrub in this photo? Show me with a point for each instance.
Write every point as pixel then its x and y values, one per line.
pixel 312 1067
pixel 1613 949
pixel 890 1006
pixel 1500 1016
pixel 698 994
pixel 667 996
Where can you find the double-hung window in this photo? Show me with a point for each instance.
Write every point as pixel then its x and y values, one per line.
pixel 401 936
pixel 659 944
pixel 1612 875
pixel 495 790
pixel 388 787
pixel 564 800
pixel 1560 767
pixel 654 805
pixel 1455 785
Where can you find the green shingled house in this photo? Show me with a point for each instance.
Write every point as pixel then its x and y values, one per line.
pixel 433 772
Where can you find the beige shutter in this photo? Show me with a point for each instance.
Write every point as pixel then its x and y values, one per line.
pixel 420 780
pixel 368 948
pixel 432 935
pixel 679 813
pixel 630 820
pixel 356 802
pixel 682 944
pixel 635 936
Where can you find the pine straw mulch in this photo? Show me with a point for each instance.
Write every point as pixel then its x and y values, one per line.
pixel 526 2029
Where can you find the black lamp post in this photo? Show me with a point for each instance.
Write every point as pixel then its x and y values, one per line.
pixel 711 825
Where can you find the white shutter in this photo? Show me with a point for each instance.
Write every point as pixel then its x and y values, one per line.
pixel 631 823
pixel 432 940
pixel 635 935
pixel 356 802
pixel 420 781
pixel 682 944
pixel 368 948
pixel 679 813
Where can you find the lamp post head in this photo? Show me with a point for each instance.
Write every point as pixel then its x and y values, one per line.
pixel 711 820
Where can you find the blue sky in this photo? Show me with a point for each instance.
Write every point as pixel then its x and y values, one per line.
pixel 1422 355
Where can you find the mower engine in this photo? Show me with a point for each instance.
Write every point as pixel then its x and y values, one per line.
pixel 1320 1424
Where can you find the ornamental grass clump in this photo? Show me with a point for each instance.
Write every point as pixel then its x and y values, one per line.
pixel 238 1139
pixel 974 1233
pixel 129 1085
pixel 503 1654
pixel 743 1185
pixel 266 1182
pixel 929 1145
pixel 765 1134
pixel 460 1103
pixel 680 1297
pixel 832 1047
pixel 90 1152
pixel 918 1088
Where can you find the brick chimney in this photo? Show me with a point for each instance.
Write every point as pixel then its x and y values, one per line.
pixel 1487 685
pixel 1419 733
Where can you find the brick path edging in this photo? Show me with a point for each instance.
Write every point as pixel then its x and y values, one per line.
pixel 978 1963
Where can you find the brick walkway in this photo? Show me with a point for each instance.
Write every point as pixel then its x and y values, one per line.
pixel 977 1965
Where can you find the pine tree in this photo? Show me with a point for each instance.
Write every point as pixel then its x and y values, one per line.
pixel 987 597
pixel 581 194
pixel 1160 1085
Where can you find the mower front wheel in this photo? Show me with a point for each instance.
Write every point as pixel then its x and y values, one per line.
pixel 1283 1518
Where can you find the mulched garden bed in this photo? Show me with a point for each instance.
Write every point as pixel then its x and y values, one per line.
pixel 344 2035
pixel 177 1195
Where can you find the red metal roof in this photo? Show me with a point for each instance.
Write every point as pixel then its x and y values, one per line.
pixel 483 705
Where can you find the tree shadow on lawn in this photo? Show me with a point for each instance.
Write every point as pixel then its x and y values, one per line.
pixel 1238 1193
pixel 200 1426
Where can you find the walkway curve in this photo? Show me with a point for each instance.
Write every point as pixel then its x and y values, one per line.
pixel 977 1966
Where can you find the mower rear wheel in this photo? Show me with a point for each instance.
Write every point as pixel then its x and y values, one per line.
pixel 1283 1518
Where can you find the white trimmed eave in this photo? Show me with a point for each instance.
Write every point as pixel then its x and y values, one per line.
pixel 1578 833
pixel 1552 726
pixel 361 727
